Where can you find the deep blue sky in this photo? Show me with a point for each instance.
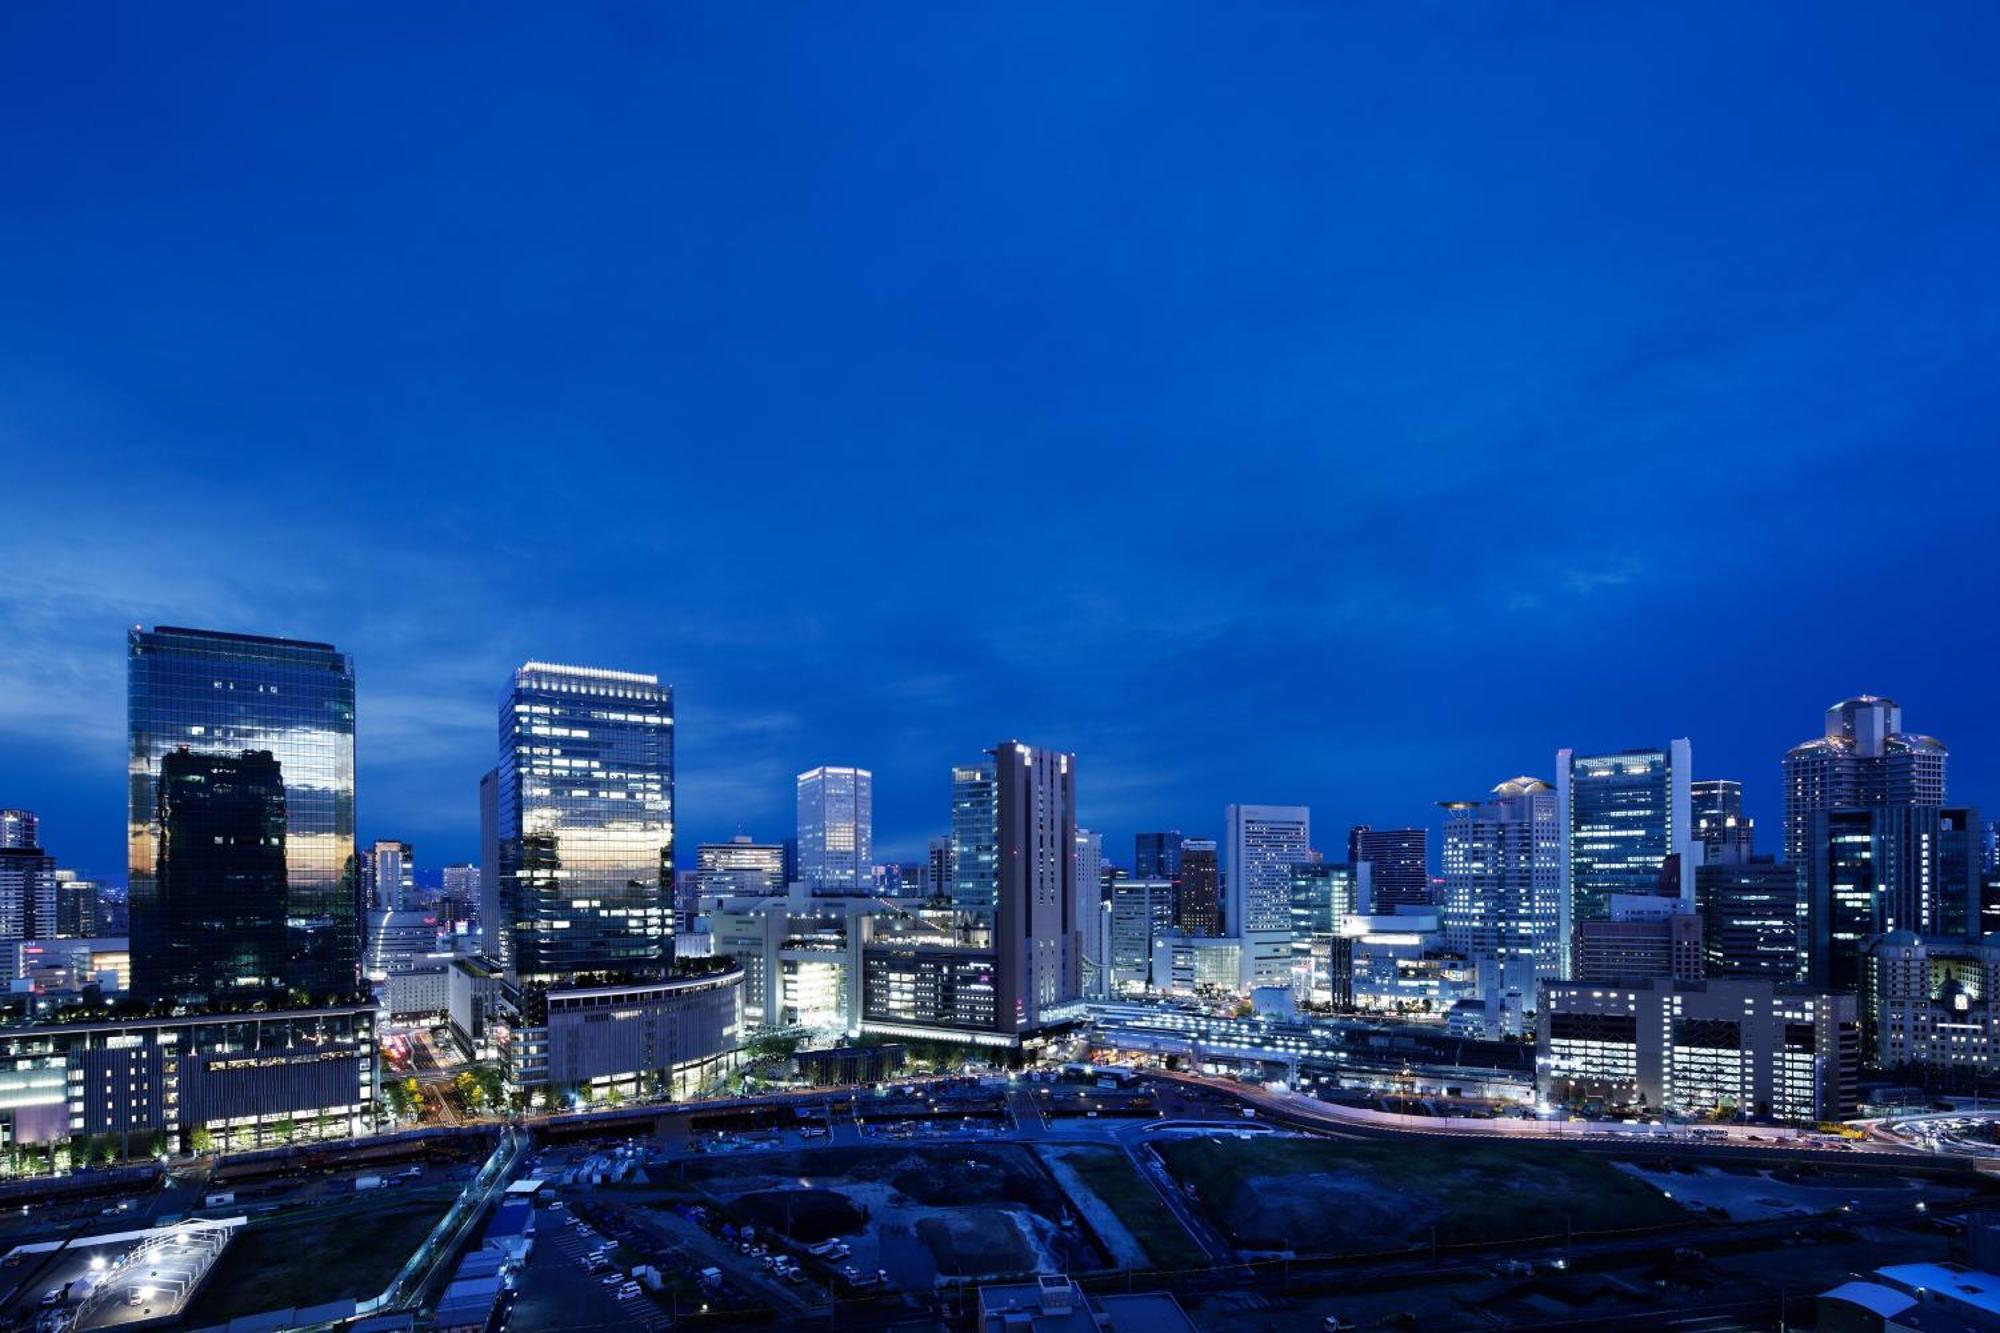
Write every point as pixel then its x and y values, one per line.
pixel 1346 404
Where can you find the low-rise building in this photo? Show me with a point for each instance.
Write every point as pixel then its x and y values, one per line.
pixel 1184 964
pixel 1055 1304
pixel 1741 1047
pixel 637 1039
pixel 244 1078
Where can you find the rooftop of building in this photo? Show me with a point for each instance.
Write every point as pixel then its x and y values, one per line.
pixel 1956 1283
pixel 227 636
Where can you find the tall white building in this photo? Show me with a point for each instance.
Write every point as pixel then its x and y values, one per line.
pixel 1090 909
pixel 1264 843
pixel 836 829
pixel 1502 883
pixel 390 871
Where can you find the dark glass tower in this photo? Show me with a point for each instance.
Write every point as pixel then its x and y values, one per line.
pixel 584 808
pixel 1156 855
pixel 1399 861
pixel 1198 888
pixel 228 696
pixel 216 920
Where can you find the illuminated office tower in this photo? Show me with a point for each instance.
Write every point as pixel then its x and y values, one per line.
pixel 389 876
pixel 975 824
pixel 1874 869
pixel 19 828
pixel 276 717
pixel 1622 815
pixel 1265 842
pixel 28 883
pixel 458 903
pixel 739 868
pixel 583 809
pixel 836 829
pixel 1502 879
pixel 1865 758
pixel 1014 843
pixel 1723 831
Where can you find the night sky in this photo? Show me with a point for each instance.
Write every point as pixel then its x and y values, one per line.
pixel 1341 404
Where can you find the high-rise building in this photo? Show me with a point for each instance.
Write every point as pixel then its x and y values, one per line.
pixel 836 829
pixel 1621 816
pixel 389 877
pixel 1322 895
pixel 1141 913
pixel 937 880
pixel 1720 826
pixel 1749 908
pixel 267 711
pixel 1157 855
pixel 1398 864
pixel 1874 869
pixel 1014 847
pixel 1864 758
pixel 739 868
pixel 1503 883
pixel 79 908
pixel 1265 842
pixel 28 885
pixel 1198 888
pixel 1090 909
pixel 584 814
pixel 19 828
pixel 459 900
pixel 215 923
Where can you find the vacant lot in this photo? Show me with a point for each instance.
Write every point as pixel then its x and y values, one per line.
pixel 915 1211
pixel 975 1242
pixel 1108 1174
pixel 1318 1196
pixel 808 1216
pixel 319 1256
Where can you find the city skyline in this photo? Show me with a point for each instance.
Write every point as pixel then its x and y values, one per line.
pixel 1766 807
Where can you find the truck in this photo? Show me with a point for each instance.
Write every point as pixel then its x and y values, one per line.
pixel 711 1277
pixel 221 1200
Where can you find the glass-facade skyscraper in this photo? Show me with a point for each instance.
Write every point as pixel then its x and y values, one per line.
pixel 584 825
pixel 836 829
pixel 269 726
pixel 975 824
pixel 1399 864
pixel 1622 816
